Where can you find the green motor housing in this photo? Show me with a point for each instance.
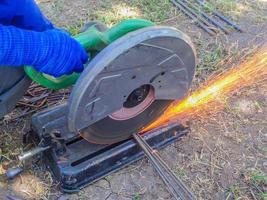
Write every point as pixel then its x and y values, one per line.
pixel 93 41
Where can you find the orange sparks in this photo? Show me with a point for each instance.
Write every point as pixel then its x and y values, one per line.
pixel 208 97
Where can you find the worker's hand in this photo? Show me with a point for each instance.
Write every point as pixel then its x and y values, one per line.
pixel 52 52
pixel 61 54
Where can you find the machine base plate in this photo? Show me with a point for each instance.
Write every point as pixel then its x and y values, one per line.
pixel 83 163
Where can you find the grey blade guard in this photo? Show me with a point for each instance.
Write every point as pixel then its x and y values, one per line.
pixel 162 57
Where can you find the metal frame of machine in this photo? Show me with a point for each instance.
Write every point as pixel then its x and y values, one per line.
pixel 76 163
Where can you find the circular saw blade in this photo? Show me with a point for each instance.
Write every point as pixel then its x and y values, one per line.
pixel 108 130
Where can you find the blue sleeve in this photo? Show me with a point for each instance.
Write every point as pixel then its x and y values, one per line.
pixel 52 51
pixel 23 14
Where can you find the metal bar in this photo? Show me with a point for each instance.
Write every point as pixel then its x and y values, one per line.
pixel 33 152
pixel 193 17
pixel 219 15
pixel 199 17
pixel 214 22
pixel 173 183
pixel 223 18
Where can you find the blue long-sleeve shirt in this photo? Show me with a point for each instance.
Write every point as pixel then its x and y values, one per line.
pixel 23 14
pixel 26 38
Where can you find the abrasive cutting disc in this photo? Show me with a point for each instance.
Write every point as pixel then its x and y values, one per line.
pixel 130 83
pixel 122 124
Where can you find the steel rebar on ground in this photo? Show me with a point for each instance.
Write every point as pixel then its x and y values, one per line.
pixel 193 17
pixel 174 184
pixel 202 19
pixel 219 15
pixel 214 22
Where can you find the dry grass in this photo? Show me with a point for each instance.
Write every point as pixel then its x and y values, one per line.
pixel 30 187
pixel 238 9
pixel 224 155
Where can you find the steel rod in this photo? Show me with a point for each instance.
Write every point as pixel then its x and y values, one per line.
pixel 223 18
pixel 176 179
pixel 198 16
pixel 214 22
pixel 33 152
pixel 193 17
pixel 219 15
pixel 173 183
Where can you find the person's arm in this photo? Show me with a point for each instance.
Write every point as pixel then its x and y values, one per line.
pixel 23 14
pixel 52 52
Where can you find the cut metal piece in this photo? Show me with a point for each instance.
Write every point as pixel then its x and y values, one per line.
pixel 161 57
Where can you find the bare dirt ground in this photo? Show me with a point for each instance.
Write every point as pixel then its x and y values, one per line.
pixel 224 156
